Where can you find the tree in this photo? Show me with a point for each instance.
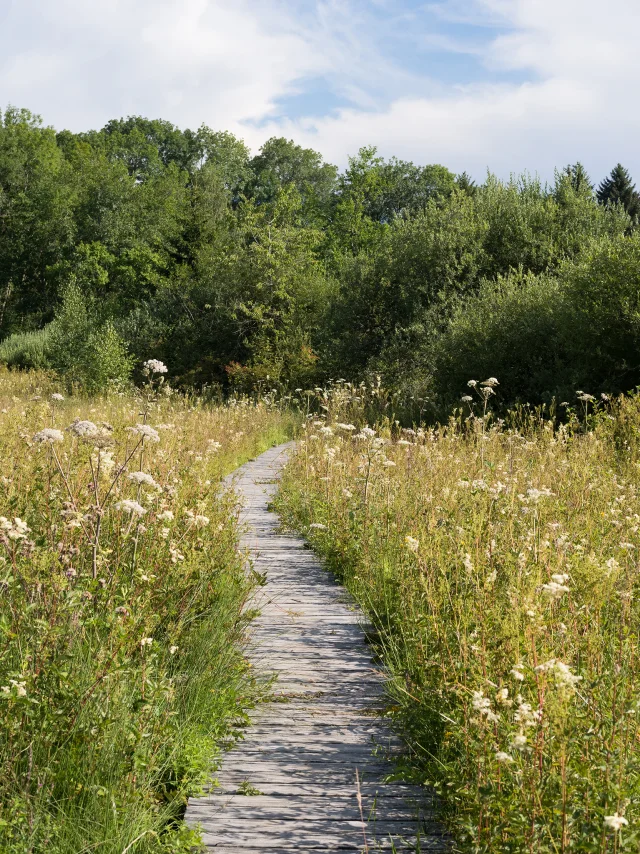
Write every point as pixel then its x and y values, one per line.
pixel 619 188
pixel 282 163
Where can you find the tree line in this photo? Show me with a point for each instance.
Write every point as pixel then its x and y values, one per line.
pixel 278 270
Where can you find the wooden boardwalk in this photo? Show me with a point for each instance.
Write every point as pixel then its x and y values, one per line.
pixel 291 784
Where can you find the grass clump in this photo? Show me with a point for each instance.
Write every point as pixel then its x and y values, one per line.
pixel 499 562
pixel 122 592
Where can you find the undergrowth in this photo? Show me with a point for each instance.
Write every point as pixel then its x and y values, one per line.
pixel 499 562
pixel 122 591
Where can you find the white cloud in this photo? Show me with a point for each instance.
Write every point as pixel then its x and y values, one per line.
pixel 227 64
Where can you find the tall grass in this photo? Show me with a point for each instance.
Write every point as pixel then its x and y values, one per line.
pixel 122 592
pixel 499 561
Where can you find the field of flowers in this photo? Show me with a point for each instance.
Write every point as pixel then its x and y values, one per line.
pixel 121 596
pixel 499 562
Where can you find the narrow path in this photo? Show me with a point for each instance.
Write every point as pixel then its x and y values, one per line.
pixel 299 759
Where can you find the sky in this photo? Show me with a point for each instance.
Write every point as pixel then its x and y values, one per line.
pixel 504 85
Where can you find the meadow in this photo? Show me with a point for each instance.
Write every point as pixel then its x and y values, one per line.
pixel 121 671
pixel 498 561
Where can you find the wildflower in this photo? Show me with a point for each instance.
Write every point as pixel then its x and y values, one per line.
pixel 534 495
pixel 201 521
pixel 517 673
pixel 519 742
pixel 412 544
pixel 57 396
pixel 146 642
pixel 526 716
pixel 491 382
pixel 501 756
pixel 367 432
pixel 141 477
pixel 16 530
pixel 166 515
pixel 615 821
pixel 554 590
pixel 389 464
pixel 49 435
pixel 173 650
pixel 404 442
pixel 585 397
pixel 175 554
pixel 347 493
pixel 155 366
pixel 318 526
pixel 561 671
pixel 164 533
pixel 83 429
pixel 472 383
pixel 627 546
pixel 15 685
pixel 612 564
pixel 466 398
pixel 326 431
pixel 346 427
pixel 146 432
pixel 468 564
pixel 130 507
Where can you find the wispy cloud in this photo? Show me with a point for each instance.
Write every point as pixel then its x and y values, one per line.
pixel 504 84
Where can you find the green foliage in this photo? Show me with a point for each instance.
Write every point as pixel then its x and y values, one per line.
pixel 618 188
pixel 26 349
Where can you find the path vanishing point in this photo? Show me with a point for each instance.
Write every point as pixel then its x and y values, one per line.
pixel 291 784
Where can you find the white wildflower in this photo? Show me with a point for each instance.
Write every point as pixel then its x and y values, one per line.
pixel 466 398
pixel 141 477
pixel 166 515
pixel 146 642
pixel 155 366
pixel 412 544
pixel 472 383
pixel 146 432
pixel 501 756
pixel 526 716
pixel 561 671
pixel 84 429
pixel 173 650
pixel 57 396
pixel 317 526
pixel 346 427
pixel 389 464
pixel 201 521
pixel 368 432
pixel 130 506
pixel 615 821
pixel 50 435
pixel 468 564
pixel 491 382
pixel 517 673
pixel 519 742
pixel 554 590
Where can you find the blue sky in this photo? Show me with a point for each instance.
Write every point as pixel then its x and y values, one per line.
pixel 505 85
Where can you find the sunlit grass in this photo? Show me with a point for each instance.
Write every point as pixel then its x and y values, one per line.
pixel 122 590
pixel 499 561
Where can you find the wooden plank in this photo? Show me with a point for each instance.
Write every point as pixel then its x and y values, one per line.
pixel 290 783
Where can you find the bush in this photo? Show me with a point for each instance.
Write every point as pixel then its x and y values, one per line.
pixel 27 349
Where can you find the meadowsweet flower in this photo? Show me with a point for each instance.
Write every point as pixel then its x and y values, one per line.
pixel 164 533
pixel 173 650
pixel 534 495
pixel 50 435
pixel 130 506
pixel 526 716
pixel 554 590
pixel 502 696
pixel 166 515
pixel 517 673
pixel 201 521
pixel 16 530
pixel 501 756
pixel 84 429
pixel 468 564
pixel 57 396
pixel 561 672
pixel 615 821
pixel 519 741
pixel 15 686
pixel 141 477
pixel 146 432
pixel 146 642
pixel 155 366
pixel 412 544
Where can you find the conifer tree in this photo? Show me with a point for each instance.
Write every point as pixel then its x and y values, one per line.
pixel 619 187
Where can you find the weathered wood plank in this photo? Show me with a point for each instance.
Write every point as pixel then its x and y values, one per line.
pixel 290 783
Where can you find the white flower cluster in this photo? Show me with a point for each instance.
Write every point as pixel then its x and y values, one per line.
pixel 412 544
pixel 84 429
pixel 57 397
pixel 482 705
pixel 557 587
pixel 615 822
pixel 49 435
pixel 16 687
pixel 317 526
pixel 16 530
pixel 155 366
pixel 141 477
pixel 561 672
pixel 129 506
pixel 146 432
